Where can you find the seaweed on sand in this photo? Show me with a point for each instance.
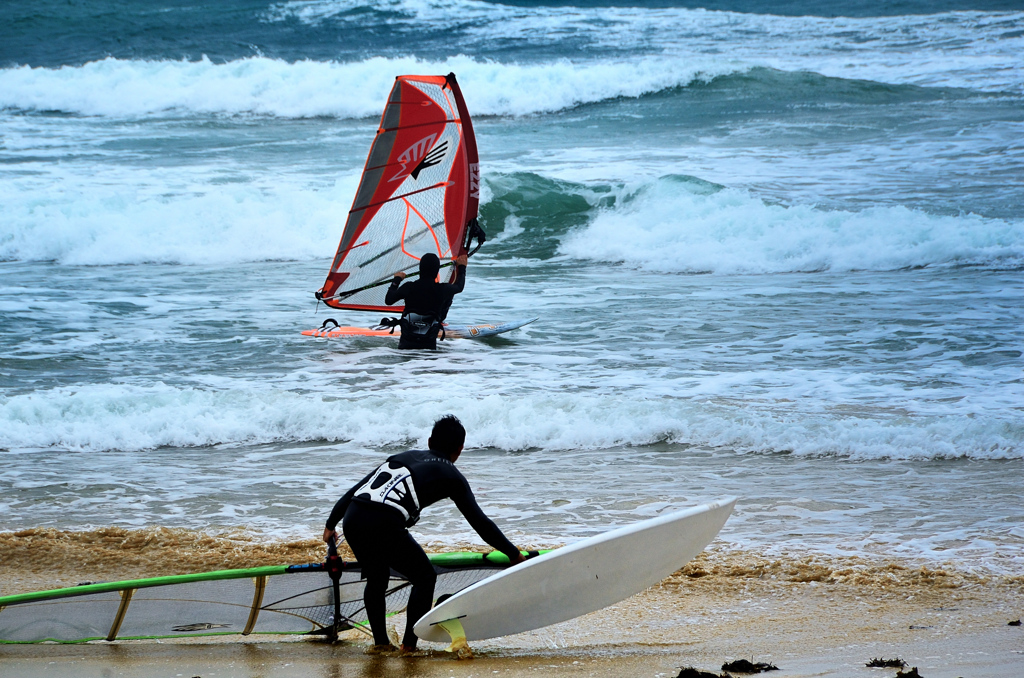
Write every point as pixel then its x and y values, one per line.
pixel 691 672
pixel 743 666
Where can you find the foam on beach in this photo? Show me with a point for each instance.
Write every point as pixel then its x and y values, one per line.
pixel 42 558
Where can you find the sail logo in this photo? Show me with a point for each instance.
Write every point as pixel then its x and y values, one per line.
pixel 420 156
pixel 474 180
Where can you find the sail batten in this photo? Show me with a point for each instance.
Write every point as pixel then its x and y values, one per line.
pixel 421 178
pixel 397 197
pixel 392 129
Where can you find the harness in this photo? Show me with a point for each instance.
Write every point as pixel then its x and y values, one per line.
pixel 416 325
pixel 392 486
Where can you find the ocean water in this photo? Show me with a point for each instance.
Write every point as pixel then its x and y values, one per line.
pixel 772 253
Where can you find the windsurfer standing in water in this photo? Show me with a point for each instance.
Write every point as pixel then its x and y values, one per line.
pixel 377 512
pixel 426 301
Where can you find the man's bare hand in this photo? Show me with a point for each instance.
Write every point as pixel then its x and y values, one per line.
pixel 520 558
pixel 328 534
pixel 462 260
pixel 400 275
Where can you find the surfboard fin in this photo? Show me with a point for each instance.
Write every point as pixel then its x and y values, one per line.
pixel 453 627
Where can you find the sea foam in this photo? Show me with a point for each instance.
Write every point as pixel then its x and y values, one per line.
pixel 263 86
pixel 673 225
pixel 129 220
pixel 130 418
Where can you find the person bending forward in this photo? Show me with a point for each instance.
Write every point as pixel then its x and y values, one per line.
pixel 376 513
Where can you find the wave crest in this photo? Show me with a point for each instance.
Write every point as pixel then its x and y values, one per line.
pixel 262 86
pixel 134 418
pixel 672 225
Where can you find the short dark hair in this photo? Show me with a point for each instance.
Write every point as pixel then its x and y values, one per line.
pixel 448 435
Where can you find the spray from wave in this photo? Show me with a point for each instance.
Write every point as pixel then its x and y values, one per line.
pixel 679 225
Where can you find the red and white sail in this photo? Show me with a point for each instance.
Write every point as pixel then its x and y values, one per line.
pixel 419 189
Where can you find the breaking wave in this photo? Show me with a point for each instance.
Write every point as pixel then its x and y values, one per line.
pixel 672 224
pixel 132 418
pixel 304 89
pixel 677 224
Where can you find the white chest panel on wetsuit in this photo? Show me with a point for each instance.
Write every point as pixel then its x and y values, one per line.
pixel 391 484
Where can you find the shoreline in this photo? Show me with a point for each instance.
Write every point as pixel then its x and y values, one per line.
pixel 810 615
pixel 805 630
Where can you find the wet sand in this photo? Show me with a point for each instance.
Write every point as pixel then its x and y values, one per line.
pixel 808 615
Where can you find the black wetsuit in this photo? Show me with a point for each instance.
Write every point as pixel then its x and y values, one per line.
pixel 427 299
pixel 375 514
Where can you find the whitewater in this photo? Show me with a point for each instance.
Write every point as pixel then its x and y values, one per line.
pixel 772 255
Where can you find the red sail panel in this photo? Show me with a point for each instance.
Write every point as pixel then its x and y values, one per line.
pixel 419 189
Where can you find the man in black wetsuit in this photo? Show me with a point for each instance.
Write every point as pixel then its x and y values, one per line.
pixel 377 511
pixel 426 301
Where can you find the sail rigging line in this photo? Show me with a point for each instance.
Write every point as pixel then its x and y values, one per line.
pixel 474 232
pixel 345 295
pixel 362 244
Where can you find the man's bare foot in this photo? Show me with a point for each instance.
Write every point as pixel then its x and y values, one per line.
pixel 381 649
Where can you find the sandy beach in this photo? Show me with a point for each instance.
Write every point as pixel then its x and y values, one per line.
pixel 809 616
